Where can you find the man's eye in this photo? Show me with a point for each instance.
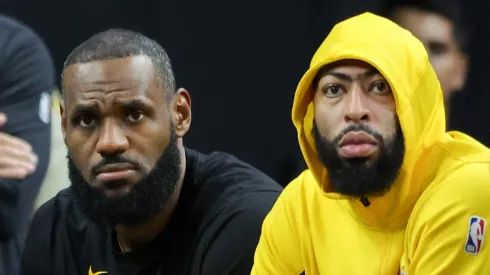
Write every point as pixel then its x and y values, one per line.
pixel 380 88
pixel 332 90
pixel 135 116
pixel 437 48
pixel 86 121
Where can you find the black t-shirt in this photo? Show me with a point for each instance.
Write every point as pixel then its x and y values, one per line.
pixel 213 231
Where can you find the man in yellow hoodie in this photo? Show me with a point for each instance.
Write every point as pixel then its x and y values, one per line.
pixel 388 190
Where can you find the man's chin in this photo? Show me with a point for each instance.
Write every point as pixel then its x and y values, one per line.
pixel 116 188
pixel 356 162
pixel 118 192
pixel 366 162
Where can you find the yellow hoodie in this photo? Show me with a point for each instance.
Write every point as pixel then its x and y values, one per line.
pixel 433 219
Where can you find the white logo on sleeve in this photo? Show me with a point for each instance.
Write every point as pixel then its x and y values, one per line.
pixel 45 107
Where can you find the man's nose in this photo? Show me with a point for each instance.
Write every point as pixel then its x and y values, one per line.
pixel 112 139
pixel 356 108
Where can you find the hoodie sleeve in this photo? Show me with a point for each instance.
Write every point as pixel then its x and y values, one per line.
pixel 447 233
pixel 278 251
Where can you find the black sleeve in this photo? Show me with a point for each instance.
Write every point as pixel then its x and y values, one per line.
pixel 232 252
pixel 9 196
pixel 37 253
pixel 26 82
pixel 56 238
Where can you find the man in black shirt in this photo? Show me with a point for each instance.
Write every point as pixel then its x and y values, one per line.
pixel 26 81
pixel 139 201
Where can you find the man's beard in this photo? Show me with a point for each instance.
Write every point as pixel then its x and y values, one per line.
pixel 363 176
pixel 146 199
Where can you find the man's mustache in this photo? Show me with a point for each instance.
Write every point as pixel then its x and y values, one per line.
pixel 358 128
pixel 116 159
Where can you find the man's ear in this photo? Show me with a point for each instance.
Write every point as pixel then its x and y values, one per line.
pixel 182 114
pixel 63 119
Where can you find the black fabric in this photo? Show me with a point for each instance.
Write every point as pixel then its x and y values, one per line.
pixel 9 197
pixel 26 75
pixel 213 231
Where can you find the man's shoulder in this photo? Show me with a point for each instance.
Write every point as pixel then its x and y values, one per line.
pixel 458 171
pixel 225 182
pixel 304 196
pixel 450 219
pixel 464 180
pixel 223 171
pixel 57 236
pixel 303 188
pixel 62 200
pixel 232 200
pixel 463 190
pixel 60 210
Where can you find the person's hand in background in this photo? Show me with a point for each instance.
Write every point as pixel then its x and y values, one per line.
pixel 17 160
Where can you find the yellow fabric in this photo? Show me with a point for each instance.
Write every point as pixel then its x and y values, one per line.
pixel 421 226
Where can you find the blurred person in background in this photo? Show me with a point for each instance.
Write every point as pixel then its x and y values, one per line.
pixel 438 25
pixel 139 201
pixel 388 189
pixel 56 178
pixel 26 82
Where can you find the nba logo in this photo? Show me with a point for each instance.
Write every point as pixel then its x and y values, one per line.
pixel 476 231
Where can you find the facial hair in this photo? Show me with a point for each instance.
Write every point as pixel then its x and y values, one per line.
pixel 361 177
pixel 146 199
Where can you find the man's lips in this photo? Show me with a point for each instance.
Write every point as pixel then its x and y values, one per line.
pixel 112 172
pixel 357 144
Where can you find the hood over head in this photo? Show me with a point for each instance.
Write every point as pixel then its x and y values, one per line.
pixel 403 61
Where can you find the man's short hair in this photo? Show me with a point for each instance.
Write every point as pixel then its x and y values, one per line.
pixel 449 9
pixel 119 43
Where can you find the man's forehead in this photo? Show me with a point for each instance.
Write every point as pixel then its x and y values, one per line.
pixel 134 69
pixel 348 69
pixel 348 65
pixel 133 74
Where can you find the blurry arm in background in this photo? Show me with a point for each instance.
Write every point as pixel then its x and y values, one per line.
pixel 16 162
pixel 26 82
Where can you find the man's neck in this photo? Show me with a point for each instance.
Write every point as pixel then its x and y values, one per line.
pixel 134 237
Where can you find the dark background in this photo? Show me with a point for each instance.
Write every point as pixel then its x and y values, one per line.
pixel 241 61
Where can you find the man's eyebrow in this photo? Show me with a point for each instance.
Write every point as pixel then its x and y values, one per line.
pixel 80 109
pixel 371 72
pixel 134 104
